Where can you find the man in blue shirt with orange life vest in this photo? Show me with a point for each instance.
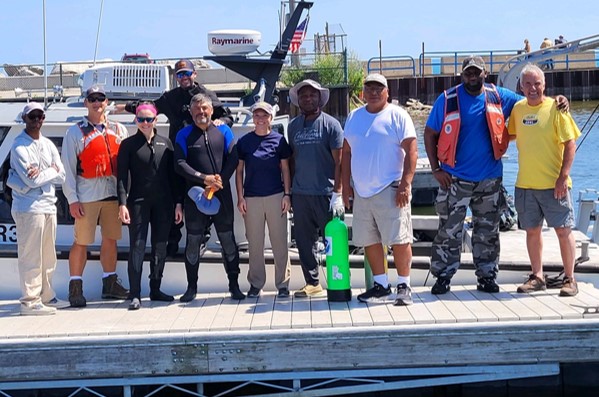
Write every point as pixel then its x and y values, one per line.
pixel 465 137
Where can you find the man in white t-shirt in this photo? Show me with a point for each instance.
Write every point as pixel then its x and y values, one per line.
pixel 379 157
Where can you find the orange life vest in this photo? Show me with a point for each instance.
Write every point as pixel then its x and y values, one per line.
pixel 99 155
pixel 448 137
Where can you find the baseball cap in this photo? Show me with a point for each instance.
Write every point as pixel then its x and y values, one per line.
pixel 184 65
pixel 267 107
pixel 473 61
pixel 31 106
pixel 95 89
pixel 376 78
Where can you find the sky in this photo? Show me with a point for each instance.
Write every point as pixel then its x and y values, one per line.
pixel 173 29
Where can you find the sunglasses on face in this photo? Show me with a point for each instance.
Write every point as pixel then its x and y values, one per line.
pixel 36 116
pixel 185 73
pixel 145 119
pixel 93 99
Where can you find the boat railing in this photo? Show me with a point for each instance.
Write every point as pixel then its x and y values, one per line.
pixel 392 65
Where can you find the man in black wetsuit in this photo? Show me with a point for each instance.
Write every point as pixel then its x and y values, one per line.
pixel 205 156
pixel 174 104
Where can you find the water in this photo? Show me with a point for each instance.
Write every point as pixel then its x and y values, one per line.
pixel 583 173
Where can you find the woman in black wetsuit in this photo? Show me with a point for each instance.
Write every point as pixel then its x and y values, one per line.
pixel 149 194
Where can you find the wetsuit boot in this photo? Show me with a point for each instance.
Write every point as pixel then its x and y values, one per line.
pixel 234 289
pixel 156 269
pixel 156 294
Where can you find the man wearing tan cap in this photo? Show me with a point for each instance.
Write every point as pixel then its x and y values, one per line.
pixel 379 160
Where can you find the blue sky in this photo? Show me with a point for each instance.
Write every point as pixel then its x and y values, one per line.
pixel 178 29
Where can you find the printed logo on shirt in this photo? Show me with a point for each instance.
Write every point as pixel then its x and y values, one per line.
pixel 530 119
pixel 308 136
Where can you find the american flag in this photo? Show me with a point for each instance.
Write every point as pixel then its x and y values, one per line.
pixel 298 36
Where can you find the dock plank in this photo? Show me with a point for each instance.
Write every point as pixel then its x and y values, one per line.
pixel 360 315
pixel 340 314
pixel 207 311
pixel 300 315
pixel 320 312
pixel 263 310
pixel 224 317
pixel 477 308
pixel 282 313
pixel 418 310
pixel 530 300
pixel 550 299
pixel 435 306
pixel 503 305
pixel 242 320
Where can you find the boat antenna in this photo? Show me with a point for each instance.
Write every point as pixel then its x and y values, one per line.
pixel 98 33
pixel 45 56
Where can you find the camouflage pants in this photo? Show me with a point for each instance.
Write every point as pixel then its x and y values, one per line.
pixel 451 205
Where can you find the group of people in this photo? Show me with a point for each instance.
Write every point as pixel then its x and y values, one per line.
pixel 146 180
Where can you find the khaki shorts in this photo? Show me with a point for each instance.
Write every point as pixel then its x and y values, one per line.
pixel 378 220
pixel 104 213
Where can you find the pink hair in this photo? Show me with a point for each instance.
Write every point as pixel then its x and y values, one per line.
pixel 147 106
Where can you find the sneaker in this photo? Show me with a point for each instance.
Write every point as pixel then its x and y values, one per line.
pixel 57 303
pixel 487 284
pixel 76 298
pixel 570 287
pixel 113 289
pixel 253 292
pixel 283 293
pixel 311 291
pixel 135 304
pixel 37 309
pixel 375 293
pixel 532 284
pixel 441 286
pixel 189 295
pixel 404 295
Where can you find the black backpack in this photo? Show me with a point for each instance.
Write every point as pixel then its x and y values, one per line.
pixel 507 209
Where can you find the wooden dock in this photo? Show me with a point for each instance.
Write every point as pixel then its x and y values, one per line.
pixel 215 335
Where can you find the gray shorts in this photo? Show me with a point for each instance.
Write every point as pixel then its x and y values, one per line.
pixel 535 205
pixel 378 220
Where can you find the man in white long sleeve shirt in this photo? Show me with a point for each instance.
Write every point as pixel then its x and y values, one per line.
pixel 89 153
pixel 35 168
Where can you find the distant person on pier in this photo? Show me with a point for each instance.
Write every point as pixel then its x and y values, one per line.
pixel 526 46
pixel 89 154
pixel 35 167
pixel 206 156
pixel 316 139
pixel 174 104
pixel 560 40
pixel 378 166
pixel 545 138
pixel 264 199
pixel 465 137
pixel 150 193
pixel 548 64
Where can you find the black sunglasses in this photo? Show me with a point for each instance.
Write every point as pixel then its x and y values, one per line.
pixel 36 117
pixel 146 119
pixel 100 98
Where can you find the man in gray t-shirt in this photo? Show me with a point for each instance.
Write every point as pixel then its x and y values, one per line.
pixel 316 139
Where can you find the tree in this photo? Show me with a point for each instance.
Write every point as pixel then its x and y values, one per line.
pixel 329 70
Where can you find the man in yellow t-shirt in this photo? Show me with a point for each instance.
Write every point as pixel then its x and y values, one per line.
pixel 545 138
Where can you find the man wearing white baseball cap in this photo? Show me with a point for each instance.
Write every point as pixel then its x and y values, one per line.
pixel 316 139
